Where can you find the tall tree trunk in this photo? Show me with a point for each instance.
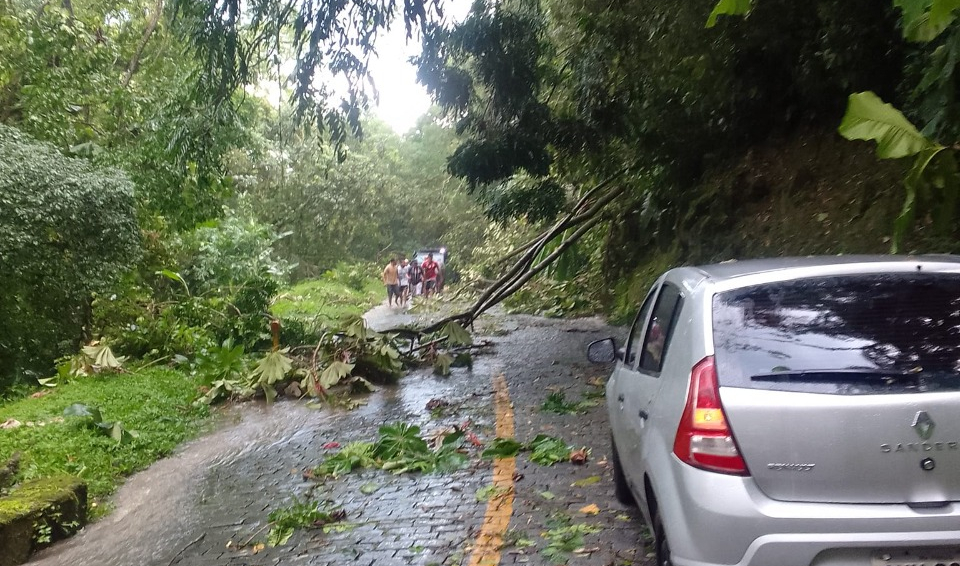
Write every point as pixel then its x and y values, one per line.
pixel 135 60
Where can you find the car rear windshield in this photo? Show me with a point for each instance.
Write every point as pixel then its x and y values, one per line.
pixel 863 334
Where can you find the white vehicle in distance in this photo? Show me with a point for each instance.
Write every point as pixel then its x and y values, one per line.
pixel 794 411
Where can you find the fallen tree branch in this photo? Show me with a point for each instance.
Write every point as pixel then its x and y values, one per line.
pixel 496 292
pixel 584 217
pixel 184 549
pixel 428 344
pixel 480 346
pixel 530 274
pixel 576 216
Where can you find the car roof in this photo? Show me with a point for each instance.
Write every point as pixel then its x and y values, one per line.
pixel 811 266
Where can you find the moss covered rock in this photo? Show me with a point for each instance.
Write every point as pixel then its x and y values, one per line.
pixel 38 513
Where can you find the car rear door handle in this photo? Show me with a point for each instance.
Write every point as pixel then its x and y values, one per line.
pixel 643 414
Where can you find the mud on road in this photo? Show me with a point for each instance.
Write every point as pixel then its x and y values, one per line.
pixel 199 506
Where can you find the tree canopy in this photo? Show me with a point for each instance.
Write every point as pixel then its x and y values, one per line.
pixel 67 230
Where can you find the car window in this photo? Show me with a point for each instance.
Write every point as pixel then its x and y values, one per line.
pixel 659 329
pixel 845 335
pixel 636 331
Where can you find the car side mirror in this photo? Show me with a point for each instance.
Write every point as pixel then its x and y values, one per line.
pixel 602 351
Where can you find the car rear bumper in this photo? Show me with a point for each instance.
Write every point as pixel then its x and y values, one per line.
pixel 713 519
pixel 828 549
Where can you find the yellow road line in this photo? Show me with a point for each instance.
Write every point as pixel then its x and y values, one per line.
pixel 486 550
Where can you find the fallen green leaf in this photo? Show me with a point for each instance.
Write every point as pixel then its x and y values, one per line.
pixel 548 450
pixel 502 448
pixel 334 373
pixel 456 334
pixel 586 481
pixel 442 365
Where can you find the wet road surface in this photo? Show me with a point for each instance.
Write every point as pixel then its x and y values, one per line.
pixel 197 507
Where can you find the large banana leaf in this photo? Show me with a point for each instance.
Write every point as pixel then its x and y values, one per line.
pixel 934 176
pixel 870 118
pixel 729 8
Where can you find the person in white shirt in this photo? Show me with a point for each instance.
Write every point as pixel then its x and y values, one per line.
pixel 403 273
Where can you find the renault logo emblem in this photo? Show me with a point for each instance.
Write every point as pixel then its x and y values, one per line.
pixel 923 424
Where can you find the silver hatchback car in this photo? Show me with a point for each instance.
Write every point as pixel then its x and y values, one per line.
pixel 796 411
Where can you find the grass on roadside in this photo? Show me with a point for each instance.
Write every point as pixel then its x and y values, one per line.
pixel 155 402
pixel 328 299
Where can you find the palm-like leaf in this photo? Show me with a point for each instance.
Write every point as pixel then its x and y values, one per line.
pixel 334 373
pixel 456 334
pixel 271 369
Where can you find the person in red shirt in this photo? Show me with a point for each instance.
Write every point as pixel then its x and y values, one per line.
pixel 430 269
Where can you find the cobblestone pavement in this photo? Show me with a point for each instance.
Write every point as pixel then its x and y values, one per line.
pixel 220 489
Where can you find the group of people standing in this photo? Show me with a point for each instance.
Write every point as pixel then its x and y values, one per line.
pixel 407 279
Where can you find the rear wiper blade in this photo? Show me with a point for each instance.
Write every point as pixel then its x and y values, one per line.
pixel 845 374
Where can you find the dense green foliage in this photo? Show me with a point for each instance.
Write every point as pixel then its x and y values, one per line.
pixel 110 81
pixel 554 96
pixel 391 196
pixel 68 230
pixel 329 39
pixel 346 291
pixel 591 87
pixel 214 282
pixel 231 196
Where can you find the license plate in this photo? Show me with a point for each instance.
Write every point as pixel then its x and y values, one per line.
pixel 939 556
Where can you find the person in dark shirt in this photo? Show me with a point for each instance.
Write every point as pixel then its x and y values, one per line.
pixel 416 278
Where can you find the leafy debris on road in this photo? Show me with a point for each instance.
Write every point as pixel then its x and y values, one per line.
pixel 442 363
pixel 544 450
pixel 437 407
pixel 355 455
pixel 399 449
pixel 517 539
pixel 547 450
pixel 565 538
pixel 492 492
pixel 591 509
pixel 301 514
pixel 557 403
pixel 502 448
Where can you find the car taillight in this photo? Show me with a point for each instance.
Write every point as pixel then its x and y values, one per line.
pixel 703 438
